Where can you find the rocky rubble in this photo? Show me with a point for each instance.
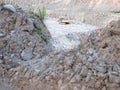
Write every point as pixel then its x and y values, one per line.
pixel 18 39
pixel 93 65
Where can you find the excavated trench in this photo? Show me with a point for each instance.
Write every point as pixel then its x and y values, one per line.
pixel 84 57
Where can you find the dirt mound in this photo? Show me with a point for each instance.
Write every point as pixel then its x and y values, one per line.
pixel 18 38
pixel 94 65
pixel 25 62
pixel 22 38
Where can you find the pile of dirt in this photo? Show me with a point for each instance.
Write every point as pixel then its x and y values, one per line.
pixel 94 65
pixel 18 38
pixel 23 37
pixel 26 63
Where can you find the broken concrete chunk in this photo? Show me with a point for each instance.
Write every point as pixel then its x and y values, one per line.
pixel 9 7
pixel 29 27
pixel 2 35
pixel 91 59
pixel 1 61
pixel 84 71
pixel 100 69
pixel 2 43
pixel 27 54
pixel 37 23
pixel 104 88
pixel 91 51
pixel 114 24
pixel 114 79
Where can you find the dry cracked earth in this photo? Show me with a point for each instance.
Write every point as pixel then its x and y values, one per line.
pixel 29 63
